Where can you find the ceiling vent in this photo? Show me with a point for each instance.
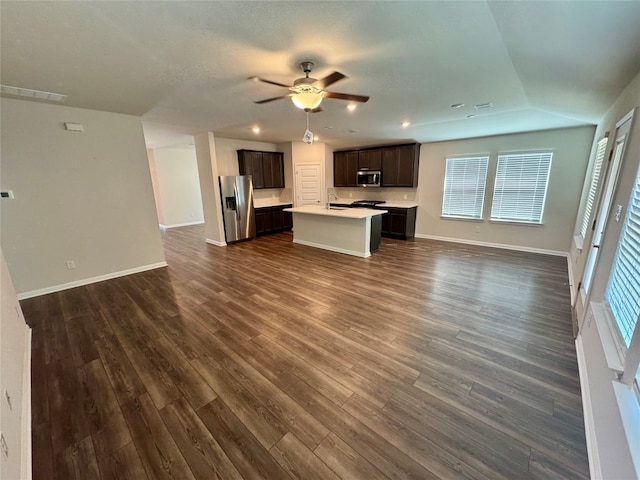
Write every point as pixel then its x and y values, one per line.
pixel 483 106
pixel 35 94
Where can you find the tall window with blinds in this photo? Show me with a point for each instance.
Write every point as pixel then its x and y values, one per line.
pixel 520 188
pixel 623 289
pixel 593 187
pixel 464 183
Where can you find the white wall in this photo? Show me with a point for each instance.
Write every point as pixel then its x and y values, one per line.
pixel 571 154
pixel 15 378
pixel 606 434
pixel 81 196
pixel 178 186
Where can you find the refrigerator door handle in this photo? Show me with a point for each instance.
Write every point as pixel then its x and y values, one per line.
pixel 238 216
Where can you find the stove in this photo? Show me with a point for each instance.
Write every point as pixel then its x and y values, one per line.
pixel 366 203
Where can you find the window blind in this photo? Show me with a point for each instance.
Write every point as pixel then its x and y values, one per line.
pixel 464 183
pixel 593 187
pixel 623 289
pixel 520 188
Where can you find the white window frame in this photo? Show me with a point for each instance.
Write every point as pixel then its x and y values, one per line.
pixel 597 170
pixel 505 180
pixel 464 186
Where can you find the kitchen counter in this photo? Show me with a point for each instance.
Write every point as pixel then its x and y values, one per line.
pixel 267 203
pixel 353 231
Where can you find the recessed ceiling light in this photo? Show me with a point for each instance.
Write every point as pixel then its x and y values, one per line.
pixel 482 106
pixel 316 138
pixel 328 127
pixel 351 107
pixel 37 94
pixel 471 116
pixel 255 129
pixel 405 124
pixel 457 105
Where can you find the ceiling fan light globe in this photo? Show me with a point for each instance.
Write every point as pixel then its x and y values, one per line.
pixel 307 100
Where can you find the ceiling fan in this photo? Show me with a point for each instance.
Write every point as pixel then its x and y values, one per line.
pixel 307 92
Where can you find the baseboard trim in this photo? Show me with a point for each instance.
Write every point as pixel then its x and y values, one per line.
pixel 557 253
pixel 188 224
pixel 595 469
pixel 216 242
pixel 87 281
pixel 333 249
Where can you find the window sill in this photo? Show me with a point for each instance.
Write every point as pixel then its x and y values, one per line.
pixel 516 222
pixel 612 353
pixel 466 219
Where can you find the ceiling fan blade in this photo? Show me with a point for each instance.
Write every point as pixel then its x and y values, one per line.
pixel 316 110
pixel 271 99
pixel 346 96
pixel 264 80
pixel 329 80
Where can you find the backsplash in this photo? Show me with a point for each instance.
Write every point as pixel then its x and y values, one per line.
pixel 360 193
pixel 272 196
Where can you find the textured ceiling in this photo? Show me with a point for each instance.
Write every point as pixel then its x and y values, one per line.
pixel 183 66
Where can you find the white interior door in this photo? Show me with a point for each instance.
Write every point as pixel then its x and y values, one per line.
pixel 308 188
pixel 604 210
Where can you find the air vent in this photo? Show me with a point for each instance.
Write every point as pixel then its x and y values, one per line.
pixel 36 94
pixel 482 106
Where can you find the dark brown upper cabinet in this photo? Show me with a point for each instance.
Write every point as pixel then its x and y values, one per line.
pixel 370 159
pixel 267 168
pixel 398 164
pixel 345 168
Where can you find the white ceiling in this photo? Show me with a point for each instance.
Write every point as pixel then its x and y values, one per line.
pixel 183 66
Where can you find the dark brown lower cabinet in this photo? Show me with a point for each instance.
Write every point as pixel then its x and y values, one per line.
pixel 399 222
pixel 273 220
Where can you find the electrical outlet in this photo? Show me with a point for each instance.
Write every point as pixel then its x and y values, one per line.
pixel 350 194
pixel 71 264
pixel 4 447
pixel 477 228
pixel 405 196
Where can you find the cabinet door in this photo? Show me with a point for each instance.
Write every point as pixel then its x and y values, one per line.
pixel 267 170
pixel 345 168
pixel 264 222
pixel 397 223
pixel 250 163
pixel 370 159
pixel 390 167
pixel 277 169
pixel 407 166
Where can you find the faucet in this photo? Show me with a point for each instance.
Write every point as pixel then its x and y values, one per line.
pixel 329 195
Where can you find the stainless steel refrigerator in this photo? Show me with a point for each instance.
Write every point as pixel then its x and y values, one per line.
pixel 236 193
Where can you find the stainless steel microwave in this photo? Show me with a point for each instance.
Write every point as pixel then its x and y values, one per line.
pixel 368 178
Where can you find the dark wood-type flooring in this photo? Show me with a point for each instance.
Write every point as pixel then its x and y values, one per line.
pixel 271 360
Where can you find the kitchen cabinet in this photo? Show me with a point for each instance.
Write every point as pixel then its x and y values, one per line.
pixel 398 222
pixel 273 220
pixel 400 165
pixel 345 168
pixel 370 159
pixel 267 168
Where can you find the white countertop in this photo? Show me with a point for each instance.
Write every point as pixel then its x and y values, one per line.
pixel 335 212
pixel 389 203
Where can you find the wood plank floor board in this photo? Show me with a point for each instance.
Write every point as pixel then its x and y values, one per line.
pixel 272 360
pixel 297 460
pixel 248 455
pixel 345 461
pixel 158 451
pixel 205 456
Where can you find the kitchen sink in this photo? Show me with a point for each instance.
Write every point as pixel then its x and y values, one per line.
pixel 338 208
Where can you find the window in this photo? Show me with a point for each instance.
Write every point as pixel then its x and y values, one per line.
pixel 623 289
pixel 593 187
pixel 464 182
pixel 521 187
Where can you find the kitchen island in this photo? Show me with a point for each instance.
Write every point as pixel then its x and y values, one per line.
pixel 354 231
